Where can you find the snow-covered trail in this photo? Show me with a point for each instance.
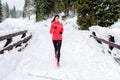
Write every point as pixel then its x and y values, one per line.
pixel 81 58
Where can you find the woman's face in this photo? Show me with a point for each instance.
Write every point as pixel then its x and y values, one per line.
pixel 57 18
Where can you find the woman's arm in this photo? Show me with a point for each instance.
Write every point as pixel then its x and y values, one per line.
pixel 62 28
pixel 52 29
pixel 61 31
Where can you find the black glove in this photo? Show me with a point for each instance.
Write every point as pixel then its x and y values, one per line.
pixel 55 27
pixel 60 32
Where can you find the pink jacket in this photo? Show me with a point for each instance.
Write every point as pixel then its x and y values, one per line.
pixel 56 32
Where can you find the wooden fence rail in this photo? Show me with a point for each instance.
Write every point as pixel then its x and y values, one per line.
pixel 9 38
pixel 110 42
pixel 13 35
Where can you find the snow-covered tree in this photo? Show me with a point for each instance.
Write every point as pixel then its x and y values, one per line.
pixel 47 8
pixel 0 11
pixel 100 12
pixel 5 11
pixel 19 13
pixel 13 13
pixel 43 8
pixel 108 13
pixel 28 8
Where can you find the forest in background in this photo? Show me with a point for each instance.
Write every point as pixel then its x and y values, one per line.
pixel 89 12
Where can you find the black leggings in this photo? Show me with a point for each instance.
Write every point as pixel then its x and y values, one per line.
pixel 57 47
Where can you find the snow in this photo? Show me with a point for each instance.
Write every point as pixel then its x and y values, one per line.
pixel 104 33
pixel 82 58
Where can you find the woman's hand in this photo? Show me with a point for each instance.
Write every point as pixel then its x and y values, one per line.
pixel 55 27
pixel 60 32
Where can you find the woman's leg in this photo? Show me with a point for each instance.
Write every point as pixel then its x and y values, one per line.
pixel 55 46
pixel 59 47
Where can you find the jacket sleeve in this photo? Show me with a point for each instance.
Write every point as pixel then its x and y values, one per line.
pixel 62 28
pixel 52 29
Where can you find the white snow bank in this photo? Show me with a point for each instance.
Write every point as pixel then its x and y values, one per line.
pixel 81 57
pixel 104 33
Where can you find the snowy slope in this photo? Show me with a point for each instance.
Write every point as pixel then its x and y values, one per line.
pixel 81 57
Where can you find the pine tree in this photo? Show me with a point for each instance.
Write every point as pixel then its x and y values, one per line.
pixel 28 8
pixel 100 12
pixel 19 13
pixel 0 11
pixel 13 12
pixel 65 4
pixel 56 7
pixel 108 13
pixel 86 13
pixel 5 11
pixel 38 10
pixel 43 8
pixel 73 7
pixel 68 5
pixel 47 8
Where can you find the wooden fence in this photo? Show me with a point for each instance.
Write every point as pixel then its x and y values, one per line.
pixel 110 42
pixel 8 46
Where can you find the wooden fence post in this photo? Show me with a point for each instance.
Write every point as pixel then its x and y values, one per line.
pixel 111 39
pixel 94 34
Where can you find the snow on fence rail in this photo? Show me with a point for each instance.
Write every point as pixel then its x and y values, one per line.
pixel 109 37
pixel 9 38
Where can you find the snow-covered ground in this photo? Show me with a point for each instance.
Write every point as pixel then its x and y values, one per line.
pixel 105 33
pixel 82 58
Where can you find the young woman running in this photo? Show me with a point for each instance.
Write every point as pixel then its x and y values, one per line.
pixel 56 30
